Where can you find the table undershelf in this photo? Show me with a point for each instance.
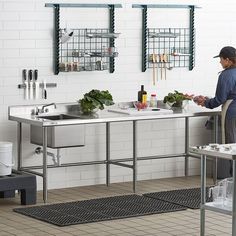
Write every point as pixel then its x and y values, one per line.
pixel 218 208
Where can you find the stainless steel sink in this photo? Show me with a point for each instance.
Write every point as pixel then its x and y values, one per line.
pixel 58 117
pixel 59 136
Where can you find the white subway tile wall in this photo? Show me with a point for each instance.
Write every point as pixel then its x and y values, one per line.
pixel 26 42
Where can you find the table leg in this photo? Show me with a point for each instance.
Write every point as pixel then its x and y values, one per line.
pixel 45 184
pixel 108 152
pixel 19 146
pixel 186 145
pixel 215 140
pixel 134 155
pixel 234 200
pixel 203 194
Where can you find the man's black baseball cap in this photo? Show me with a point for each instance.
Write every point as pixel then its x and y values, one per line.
pixel 227 52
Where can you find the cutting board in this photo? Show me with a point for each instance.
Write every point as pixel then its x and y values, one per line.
pixel 148 111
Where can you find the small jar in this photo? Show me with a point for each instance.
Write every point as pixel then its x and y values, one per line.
pixel 153 100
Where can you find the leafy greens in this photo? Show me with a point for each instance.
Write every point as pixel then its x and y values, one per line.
pixel 95 99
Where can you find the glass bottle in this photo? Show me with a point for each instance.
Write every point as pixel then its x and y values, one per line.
pixel 140 93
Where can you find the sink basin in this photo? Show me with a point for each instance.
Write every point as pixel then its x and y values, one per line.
pixel 59 136
pixel 58 117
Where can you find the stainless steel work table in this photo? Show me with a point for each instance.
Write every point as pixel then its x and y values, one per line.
pixel 205 151
pixel 21 114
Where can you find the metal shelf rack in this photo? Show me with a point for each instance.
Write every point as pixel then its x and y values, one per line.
pixel 68 56
pixel 176 44
pixel 171 42
pixel 88 50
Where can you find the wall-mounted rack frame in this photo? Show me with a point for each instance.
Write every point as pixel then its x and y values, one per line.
pixel 57 6
pixel 145 40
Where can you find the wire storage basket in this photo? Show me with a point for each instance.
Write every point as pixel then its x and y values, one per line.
pixel 168 45
pixel 86 50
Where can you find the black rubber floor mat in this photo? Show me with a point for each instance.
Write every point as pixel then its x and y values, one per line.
pixel 190 198
pixel 118 207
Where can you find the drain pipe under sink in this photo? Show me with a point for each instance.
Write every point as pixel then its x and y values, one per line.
pixel 56 158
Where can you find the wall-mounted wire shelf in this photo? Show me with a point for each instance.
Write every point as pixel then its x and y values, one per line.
pixel 87 50
pixel 184 53
pixel 168 45
pixel 88 63
pixel 102 35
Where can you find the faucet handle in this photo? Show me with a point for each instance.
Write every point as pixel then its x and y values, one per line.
pixel 35 111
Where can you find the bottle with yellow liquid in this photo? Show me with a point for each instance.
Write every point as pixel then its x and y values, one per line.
pixel 140 93
pixel 144 97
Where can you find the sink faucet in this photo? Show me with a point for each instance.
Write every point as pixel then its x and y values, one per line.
pixel 47 105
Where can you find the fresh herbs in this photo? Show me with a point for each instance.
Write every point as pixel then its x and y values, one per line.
pixel 176 99
pixel 95 99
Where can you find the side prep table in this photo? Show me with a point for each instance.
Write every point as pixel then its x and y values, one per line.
pixel 224 151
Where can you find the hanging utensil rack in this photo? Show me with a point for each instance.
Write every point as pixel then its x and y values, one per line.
pixel 177 43
pixel 106 36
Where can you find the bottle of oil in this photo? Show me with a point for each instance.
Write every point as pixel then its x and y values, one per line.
pixel 140 93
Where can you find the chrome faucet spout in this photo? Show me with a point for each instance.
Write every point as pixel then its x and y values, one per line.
pixel 47 105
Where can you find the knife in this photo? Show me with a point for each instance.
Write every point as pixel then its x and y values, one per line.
pixel 36 85
pixel 26 92
pixel 30 84
pixel 44 94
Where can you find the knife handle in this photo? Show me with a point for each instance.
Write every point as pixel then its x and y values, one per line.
pixel 44 90
pixel 35 75
pixel 30 75
pixel 24 74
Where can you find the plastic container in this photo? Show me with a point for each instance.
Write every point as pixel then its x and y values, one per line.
pixel 153 100
pixel 218 194
pixel 229 192
pixel 5 158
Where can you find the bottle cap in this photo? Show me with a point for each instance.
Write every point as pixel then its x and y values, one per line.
pixel 153 95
